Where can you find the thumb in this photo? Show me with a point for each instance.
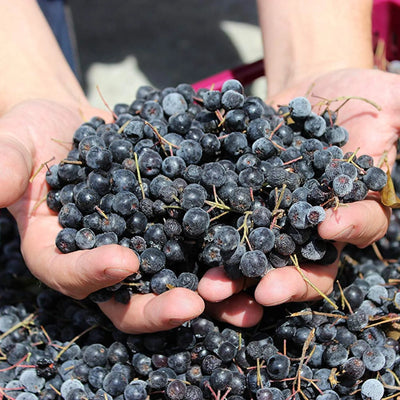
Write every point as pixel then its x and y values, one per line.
pixel 80 273
pixel 16 167
pixel 74 274
pixel 85 272
pixel 360 223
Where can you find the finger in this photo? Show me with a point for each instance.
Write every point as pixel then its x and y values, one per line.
pixel 75 274
pixel 215 285
pixel 151 313
pixel 80 273
pixel 16 168
pixel 282 285
pixel 360 223
pixel 239 310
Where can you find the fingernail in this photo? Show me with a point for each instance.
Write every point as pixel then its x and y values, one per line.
pixel 117 272
pixel 176 322
pixel 344 234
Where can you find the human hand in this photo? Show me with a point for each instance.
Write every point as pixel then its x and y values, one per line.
pixel 32 133
pixel 361 223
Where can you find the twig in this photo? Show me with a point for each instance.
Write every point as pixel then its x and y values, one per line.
pixel 27 320
pixel 65 348
pixel 306 345
pixel 115 116
pixel 138 174
pixel 40 168
pixel 296 265
pixel 343 297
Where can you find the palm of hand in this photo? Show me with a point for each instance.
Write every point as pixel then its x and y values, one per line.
pixel 373 132
pixel 33 133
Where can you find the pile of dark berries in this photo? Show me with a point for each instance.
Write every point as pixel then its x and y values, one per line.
pixel 135 182
pixel 191 180
pixel 53 347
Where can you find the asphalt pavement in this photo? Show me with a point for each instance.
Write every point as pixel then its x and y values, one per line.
pixel 123 44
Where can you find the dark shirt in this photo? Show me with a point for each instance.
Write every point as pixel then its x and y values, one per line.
pixel 54 11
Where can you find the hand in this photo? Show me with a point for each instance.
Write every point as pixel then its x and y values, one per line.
pixel 361 223
pixel 28 134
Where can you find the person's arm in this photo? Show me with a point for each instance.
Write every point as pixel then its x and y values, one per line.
pixel 32 64
pixel 304 38
pixel 32 67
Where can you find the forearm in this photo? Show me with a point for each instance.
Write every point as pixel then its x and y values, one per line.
pixel 305 38
pixel 31 63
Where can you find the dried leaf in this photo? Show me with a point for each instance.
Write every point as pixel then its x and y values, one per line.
pixel 388 193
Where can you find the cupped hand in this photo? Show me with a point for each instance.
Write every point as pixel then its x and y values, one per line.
pixel 31 134
pixel 371 132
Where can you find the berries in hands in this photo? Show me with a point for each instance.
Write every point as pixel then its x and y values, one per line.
pixel 190 181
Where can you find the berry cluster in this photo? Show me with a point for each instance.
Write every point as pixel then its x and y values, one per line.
pixel 56 348
pixel 194 180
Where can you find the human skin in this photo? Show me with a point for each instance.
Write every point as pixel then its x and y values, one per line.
pixel 42 104
pixel 321 50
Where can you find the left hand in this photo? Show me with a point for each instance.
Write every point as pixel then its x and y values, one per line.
pixel 361 223
pixel 37 131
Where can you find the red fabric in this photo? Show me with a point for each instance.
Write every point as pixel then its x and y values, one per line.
pixel 386 26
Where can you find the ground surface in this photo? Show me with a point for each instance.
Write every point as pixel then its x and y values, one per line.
pixel 123 44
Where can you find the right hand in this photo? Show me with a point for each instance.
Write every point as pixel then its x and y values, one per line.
pixel 360 223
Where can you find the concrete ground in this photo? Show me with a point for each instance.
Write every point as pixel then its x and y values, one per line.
pixel 123 44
